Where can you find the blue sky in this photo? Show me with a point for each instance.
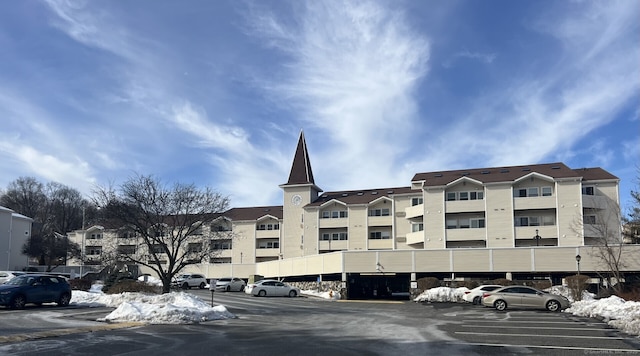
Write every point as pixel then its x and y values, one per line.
pixel 216 92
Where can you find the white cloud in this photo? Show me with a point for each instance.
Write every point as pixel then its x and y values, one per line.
pixel 486 58
pixel 352 73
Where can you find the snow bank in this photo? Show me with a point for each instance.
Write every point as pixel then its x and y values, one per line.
pixel 618 313
pixel 170 308
pixel 442 294
pixel 325 295
pixel 566 292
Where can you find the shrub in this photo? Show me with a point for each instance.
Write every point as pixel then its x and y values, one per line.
pixel 80 284
pixel 129 285
pixel 577 285
pixel 428 283
pixel 502 282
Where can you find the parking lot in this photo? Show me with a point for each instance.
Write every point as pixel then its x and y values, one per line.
pixel 294 326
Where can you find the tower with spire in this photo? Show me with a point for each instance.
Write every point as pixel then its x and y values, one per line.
pixel 299 191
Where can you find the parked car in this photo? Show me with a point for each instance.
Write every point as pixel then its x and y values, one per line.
pixel 36 289
pixel 7 275
pixel 524 297
pixel 271 287
pixel 229 284
pixel 475 295
pixel 190 280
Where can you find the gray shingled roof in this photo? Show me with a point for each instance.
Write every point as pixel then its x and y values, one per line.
pixel 363 196
pixel 253 213
pixel 511 173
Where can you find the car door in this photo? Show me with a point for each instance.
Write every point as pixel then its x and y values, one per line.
pixel 37 292
pixel 281 289
pixel 531 298
pixel 512 296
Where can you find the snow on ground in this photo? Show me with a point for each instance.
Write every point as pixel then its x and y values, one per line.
pixel 618 313
pixel 185 308
pixel 170 308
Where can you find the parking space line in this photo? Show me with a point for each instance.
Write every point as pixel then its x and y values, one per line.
pixel 68 331
pixel 528 327
pixel 590 349
pixel 530 335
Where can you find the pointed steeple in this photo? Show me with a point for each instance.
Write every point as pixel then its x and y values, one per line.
pixel 301 168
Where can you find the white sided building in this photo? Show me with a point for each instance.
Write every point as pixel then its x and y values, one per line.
pixel 523 222
pixel 15 229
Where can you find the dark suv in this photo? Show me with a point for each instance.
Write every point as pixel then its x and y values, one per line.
pixel 36 289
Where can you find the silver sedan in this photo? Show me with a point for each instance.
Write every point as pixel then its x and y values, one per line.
pixel 524 297
pixel 271 287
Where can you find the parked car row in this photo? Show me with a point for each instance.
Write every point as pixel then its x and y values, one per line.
pixel 503 297
pixel 33 288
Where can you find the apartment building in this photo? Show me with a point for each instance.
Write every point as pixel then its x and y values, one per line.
pixel 527 221
pixel 15 230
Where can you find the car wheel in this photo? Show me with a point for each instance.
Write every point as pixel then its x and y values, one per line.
pixel 242 288
pixel 18 302
pixel 553 306
pixel 500 304
pixel 293 293
pixel 201 286
pixel 64 300
pixel 228 289
pixel 476 300
pixel 262 293
pixel 185 285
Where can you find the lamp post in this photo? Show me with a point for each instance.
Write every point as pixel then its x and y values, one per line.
pixel 537 238
pixel 578 258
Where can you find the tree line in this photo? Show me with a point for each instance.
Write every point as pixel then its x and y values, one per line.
pixel 171 224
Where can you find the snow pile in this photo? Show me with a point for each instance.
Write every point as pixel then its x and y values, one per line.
pixel 566 292
pixel 170 308
pixel 618 313
pixel 442 294
pixel 325 295
pixel 150 280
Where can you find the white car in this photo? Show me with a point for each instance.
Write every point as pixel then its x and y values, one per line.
pixel 5 276
pixel 271 288
pixel 189 280
pixel 475 295
pixel 229 284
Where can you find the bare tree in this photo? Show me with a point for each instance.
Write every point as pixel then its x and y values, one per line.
pixel 601 225
pixel 171 224
pixel 55 209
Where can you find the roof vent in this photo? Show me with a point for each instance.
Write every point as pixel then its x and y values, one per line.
pixel 555 167
pixel 504 171
pixel 345 194
pixel 374 193
pixel 389 191
pixel 465 174
pixel 324 195
pixel 485 172
pixel 360 193
pixel 526 169
pixel 438 175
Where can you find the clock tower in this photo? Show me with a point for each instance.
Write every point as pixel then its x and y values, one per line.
pixel 299 191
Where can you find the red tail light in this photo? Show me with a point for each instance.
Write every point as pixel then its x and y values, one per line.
pixel 467 292
pixel 484 295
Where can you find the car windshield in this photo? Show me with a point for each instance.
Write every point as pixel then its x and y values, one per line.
pixel 224 280
pixel 21 281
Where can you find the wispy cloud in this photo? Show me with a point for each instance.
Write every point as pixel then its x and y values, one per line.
pixel 352 71
pixel 486 58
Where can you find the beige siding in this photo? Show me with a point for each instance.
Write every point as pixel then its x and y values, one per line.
pixel 358 228
pixel 401 227
pixel 396 261
pixel 499 215
pixel 471 260
pixel 569 216
pixel 512 260
pixel 434 219
pixel 433 261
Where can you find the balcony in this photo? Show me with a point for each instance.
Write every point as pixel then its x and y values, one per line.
pixel 264 234
pixel 461 206
pixel 267 252
pixel 415 237
pixel 594 202
pixel 380 221
pixel 333 223
pixel 334 245
pixel 414 211
pixel 528 203
pixel 528 232
pixel 466 234
pixel 380 244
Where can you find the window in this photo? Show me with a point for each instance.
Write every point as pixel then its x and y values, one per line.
pixel 269 244
pixel 194 247
pixel 96 236
pixel 588 190
pixel 548 221
pixel 476 195
pixel 416 201
pixel 452 224
pixel 339 236
pixel 522 221
pixel 334 214
pixel 532 192
pixel 521 193
pixel 262 227
pixel 463 196
pixel 534 221
pixel 590 219
pixel 451 196
pixel 471 195
pixel 464 223
pixel 157 249
pixel 477 223
pixel 547 191
pixel 94 250
pixel 221 244
pixel 379 212
pixel 126 249
pixel 125 234
pixel 417 227
pixel 324 237
pixel 379 235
